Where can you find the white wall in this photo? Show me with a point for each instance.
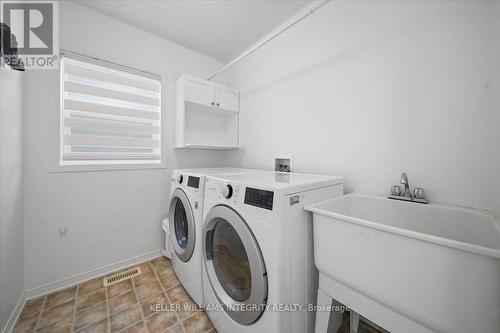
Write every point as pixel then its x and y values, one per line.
pixel 110 215
pixel 11 192
pixel 368 89
pixel 360 89
pixel 495 124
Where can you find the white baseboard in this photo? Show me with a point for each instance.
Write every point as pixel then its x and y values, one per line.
pixel 9 325
pixel 89 275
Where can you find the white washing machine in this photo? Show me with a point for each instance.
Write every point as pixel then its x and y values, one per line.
pixel 185 225
pixel 258 272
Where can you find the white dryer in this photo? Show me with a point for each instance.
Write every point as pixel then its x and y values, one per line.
pixel 258 272
pixel 185 225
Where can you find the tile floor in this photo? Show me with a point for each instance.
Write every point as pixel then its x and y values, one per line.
pixel 122 307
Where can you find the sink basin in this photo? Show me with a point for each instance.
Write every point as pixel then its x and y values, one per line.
pixel 410 267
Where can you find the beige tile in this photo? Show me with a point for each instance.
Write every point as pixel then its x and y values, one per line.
pixel 177 328
pixel 163 268
pixel 148 290
pixel 160 321
pixel 145 266
pixel 26 324
pixel 161 261
pixel 89 299
pixel 99 327
pixel 178 295
pixel 144 278
pixel 33 306
pixel 160 299
pixel 60 297
pixel 62 326
pixel 90 286
pixel 50 316
pixel 197 323
pixel 90 315
pixel 139 327
pixel 126 317
pixel 121 302
pixel 169 279
pixel 119 288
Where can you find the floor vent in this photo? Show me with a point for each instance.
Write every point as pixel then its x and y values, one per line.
pixel 115 278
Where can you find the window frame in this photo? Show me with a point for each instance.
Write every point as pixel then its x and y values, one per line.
pixel 102 165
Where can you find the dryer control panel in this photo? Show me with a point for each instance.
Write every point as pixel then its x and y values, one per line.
pixel 191 183
pixel 259 198
pixel 219 190
pixel 239 194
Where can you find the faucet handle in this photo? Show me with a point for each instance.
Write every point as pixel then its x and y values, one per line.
pixel 419 193
pixel 396 190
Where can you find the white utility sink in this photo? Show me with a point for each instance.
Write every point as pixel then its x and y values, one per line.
pixel 410 267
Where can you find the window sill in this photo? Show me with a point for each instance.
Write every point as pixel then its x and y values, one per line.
pixel 104 167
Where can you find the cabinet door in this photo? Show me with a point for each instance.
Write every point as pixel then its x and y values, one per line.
pixel 227 98
pixel 199 91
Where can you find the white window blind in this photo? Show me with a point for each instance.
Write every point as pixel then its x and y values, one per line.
pixel 110 114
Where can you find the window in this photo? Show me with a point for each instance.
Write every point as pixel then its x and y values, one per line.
pixel 109 114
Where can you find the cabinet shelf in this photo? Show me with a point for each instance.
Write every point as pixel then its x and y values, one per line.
pixel 201 146
pixel 207 115
pixel 190 106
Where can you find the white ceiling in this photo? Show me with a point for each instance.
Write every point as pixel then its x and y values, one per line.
pixel 220 29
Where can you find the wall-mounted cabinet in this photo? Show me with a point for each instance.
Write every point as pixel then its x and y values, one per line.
pixel 206 114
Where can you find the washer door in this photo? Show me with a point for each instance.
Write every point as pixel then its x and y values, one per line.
pixel 234 264
pixel 182 227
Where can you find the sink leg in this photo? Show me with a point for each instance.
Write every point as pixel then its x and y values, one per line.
pixel 322 317
pixel 328 321
pixel 354 318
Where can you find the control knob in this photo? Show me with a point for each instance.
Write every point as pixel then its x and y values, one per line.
pixel 179 179
pixel 227 192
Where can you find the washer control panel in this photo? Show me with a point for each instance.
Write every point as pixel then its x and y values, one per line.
pixel 193 182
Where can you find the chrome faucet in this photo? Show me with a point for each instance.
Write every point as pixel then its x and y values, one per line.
pixel 404 181
pixel 418 194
